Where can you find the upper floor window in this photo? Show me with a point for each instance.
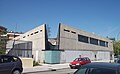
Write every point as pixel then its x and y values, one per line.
pixel 73 32
pixel 93 41
pixel 102 43
pixel 35 32
pixel 66 30
pixel 82 38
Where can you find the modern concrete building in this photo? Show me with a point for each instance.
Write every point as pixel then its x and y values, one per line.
pixel 77 43
pixel 38 37
pixel 69 44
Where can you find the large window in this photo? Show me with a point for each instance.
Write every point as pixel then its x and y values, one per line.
pixel 82 38
pixel 102 43
pixel 93 41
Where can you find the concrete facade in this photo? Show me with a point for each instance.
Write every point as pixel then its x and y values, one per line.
pixel 71 43
pixel 95 47
pixel 39 39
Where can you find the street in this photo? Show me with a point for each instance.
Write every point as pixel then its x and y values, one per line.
pixel 61 71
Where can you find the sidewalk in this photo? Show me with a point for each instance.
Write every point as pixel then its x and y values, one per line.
pixel 46 67
pixel 49 67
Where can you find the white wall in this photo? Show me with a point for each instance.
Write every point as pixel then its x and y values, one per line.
pixel 70 55
pixel 38 41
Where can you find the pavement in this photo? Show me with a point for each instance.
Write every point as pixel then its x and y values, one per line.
pixel 49 67
pixel 45 67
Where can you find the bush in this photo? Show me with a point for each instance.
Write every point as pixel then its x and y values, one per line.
pixel 35 63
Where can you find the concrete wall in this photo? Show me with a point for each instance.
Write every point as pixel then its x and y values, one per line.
pixel 70 55
pixel 37 36
pixel 68 41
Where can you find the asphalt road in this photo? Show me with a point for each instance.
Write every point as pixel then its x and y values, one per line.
pixel 61 71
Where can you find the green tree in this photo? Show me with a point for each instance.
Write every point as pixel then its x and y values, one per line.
pixel 3 41
pixel 116 46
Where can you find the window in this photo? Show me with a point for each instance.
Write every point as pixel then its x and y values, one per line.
pixel 73 32
pixel 40 30
pixel 102 43
pixel 24 37
pixel 35 32
pixel 81 71
pixel 31 33
pixel 82 38
pixel 6 59
pixel 101 71
pixel 66 30
pixel 93 41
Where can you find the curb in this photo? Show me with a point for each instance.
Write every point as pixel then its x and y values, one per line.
pixel 43 71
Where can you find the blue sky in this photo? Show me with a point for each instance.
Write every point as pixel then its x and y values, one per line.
pixel 99 16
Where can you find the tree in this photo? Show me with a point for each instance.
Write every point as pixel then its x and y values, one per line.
pixel 116 46
pixel 3 40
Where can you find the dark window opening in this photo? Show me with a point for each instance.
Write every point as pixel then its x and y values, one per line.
pixel 73 32
pixel 36 32
pixel 40 30
pixel 82 38
pixel 31 33
pixel 24 37
pixel 93 41
pixel 102 43
pixel 66 30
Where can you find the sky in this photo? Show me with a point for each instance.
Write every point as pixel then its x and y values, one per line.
pixel 99 16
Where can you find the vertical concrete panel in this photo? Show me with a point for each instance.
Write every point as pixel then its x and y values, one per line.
pixel 103 56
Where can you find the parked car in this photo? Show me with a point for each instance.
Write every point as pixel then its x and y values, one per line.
pixel 78 62
pixel 10 65
pixel 99 68
pixel 118 60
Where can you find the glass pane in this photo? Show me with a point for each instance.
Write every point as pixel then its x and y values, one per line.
pixel 82 38
pixel 93 41
pixel 101 71
pixel 81 71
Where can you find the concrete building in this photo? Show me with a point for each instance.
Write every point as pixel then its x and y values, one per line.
pixel 38 37
pixel 77 43
pixel 69 44
pixel 11 35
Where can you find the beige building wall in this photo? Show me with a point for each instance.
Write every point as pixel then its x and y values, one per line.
pixel 69 40
pixel 37 36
